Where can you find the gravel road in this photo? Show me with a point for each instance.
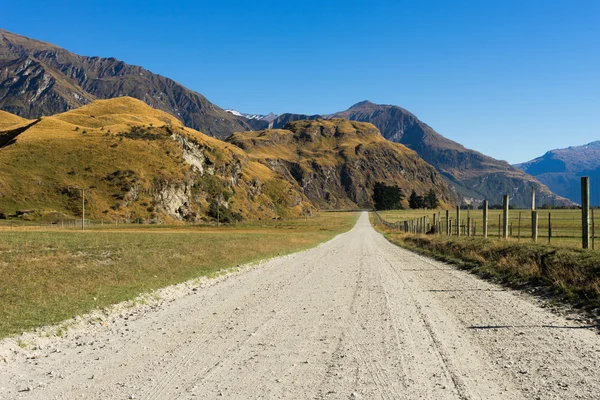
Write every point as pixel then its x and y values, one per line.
pixel 355 318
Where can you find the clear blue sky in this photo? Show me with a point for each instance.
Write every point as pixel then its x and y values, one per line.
pixel 511 79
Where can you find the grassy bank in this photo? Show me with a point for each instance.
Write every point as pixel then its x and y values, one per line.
pixel 567 274
pixel 49 276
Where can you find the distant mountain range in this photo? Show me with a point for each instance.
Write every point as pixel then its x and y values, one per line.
pixel 258 117
pixel 38 78
pixel 473 176
pixel 561 170
pixel 142 164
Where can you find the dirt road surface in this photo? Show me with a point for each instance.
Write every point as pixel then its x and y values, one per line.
pixel 355 318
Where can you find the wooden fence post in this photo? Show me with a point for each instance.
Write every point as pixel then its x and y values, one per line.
pixel 505 217
pixel 549 227
pixel 585 211
pixel 468 222
pixel 499 225
pixel 519 228
pixel 457 220
pixel 485 218
pixel 534 225
pixel 593 230
pixel 435 223
pixel 447 222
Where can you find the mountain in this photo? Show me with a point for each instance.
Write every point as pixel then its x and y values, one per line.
pixel 38 78
pixel 137 163
pixel 255 121
pixel 284 119
pixel 259 117
pixel 337 162
pixel 473 176
pixel 561 170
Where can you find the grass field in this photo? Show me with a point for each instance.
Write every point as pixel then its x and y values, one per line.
pixel 47 276
pixel 561 270
pixel 566 224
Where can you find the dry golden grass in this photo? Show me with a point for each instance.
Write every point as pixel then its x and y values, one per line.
pixel 87 146
pixel 49 276
pixel 567 273
pixel 10 121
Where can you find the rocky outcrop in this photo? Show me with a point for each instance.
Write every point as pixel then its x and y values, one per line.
pixel 175 199
pixel 337 162
pixel 471 175
pixel 150 170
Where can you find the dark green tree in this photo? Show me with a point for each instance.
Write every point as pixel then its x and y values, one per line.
pixel 415 201
pixel 431 200
pixel 387 197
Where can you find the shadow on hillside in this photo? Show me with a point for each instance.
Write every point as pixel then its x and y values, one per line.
pixel 8 137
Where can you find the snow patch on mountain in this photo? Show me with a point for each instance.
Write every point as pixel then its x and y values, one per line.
pixel 269 117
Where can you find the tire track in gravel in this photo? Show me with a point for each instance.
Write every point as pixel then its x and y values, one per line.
pixel 198 376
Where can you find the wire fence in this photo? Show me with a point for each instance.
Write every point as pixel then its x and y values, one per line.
pixel 68 223
pixel 549 226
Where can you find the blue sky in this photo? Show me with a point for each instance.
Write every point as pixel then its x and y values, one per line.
pixel 511 79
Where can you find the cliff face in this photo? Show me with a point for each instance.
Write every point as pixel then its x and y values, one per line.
pixel 137 163
pixel 38 78
pixel 337 162
pixel 474 176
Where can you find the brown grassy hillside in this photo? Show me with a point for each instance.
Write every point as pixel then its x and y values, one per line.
pixel 474 176
pixel 39 78
pixel 11 121
pixel 337 162
pixel 137 163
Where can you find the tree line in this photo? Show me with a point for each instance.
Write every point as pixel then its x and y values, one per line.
pixel 390 198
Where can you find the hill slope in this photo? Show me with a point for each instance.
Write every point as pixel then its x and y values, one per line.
pixel 472 175
pixel 475 176
pixel 337 162
pixel 137 163
pixel 38 78
pixel 561 170
pixel 9 121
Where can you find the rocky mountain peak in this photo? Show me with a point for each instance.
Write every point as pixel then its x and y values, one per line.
pixel 362 103
pixel 79 80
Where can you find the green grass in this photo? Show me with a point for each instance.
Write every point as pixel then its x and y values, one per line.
pixel 561 271
pixel 566 224
pixel 48 276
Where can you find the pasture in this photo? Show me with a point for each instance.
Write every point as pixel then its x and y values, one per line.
pixel 564 225
pixel 49 274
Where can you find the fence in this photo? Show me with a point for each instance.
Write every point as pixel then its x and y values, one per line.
pixel 551 226
pixel 55 224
